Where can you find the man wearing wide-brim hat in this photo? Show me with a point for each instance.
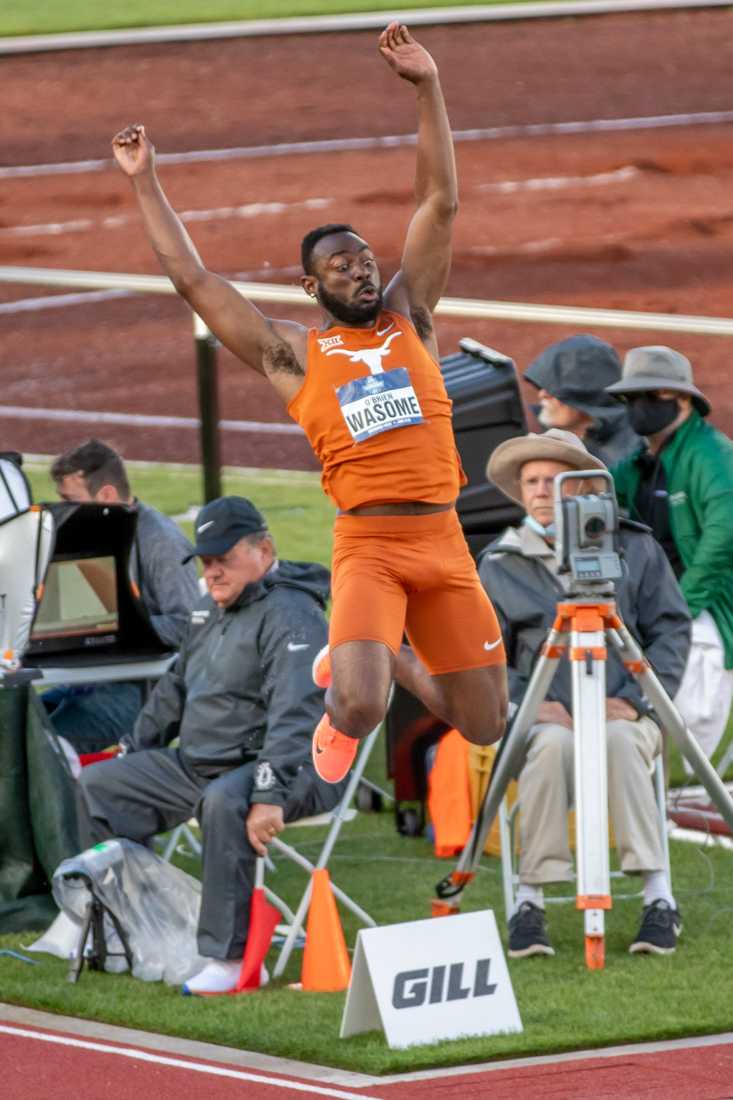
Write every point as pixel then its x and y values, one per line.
pixel 571 376
pixel 680 483
pixel 520 574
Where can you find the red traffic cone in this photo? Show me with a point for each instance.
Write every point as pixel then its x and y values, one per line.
pixel 263 918
pixel 326 964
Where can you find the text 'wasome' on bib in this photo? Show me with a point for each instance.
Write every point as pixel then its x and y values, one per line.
pixel 429 980
pixel 379 403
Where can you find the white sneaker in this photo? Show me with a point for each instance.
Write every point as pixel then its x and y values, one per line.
pixel 219 976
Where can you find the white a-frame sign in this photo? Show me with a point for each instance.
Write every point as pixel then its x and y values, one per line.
pixel 429 980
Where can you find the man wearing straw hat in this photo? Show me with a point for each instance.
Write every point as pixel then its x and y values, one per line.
pixel 680 482
pixel 520 574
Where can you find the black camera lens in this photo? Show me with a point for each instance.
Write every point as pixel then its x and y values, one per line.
pixel 595 527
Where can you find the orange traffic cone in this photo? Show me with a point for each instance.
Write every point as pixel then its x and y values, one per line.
pixel 326 965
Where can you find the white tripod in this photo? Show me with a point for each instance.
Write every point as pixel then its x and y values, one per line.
pixel 584 626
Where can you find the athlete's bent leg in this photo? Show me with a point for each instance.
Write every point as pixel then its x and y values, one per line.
pixel 361 676
pixel 473 701
pixel 356 701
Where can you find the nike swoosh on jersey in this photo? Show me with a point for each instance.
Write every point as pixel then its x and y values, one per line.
pixel 381 331
pixel 293 647
pixel 492 645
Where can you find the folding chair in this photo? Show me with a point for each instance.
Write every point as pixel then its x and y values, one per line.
pixel 507 834
pixel 183 840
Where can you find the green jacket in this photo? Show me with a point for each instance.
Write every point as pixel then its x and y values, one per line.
pixel 698 465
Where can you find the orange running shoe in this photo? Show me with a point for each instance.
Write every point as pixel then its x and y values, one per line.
pixel 321 671
pixel 333 752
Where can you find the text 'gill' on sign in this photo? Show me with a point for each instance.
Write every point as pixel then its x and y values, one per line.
pixel 429 980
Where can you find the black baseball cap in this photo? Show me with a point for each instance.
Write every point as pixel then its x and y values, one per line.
pixel 224 521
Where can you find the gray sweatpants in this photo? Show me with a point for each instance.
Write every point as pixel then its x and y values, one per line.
pixel 150 792
pixel 546 783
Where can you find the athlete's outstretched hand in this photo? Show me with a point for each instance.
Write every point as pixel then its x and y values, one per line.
pixel 133 151
pixel 407 57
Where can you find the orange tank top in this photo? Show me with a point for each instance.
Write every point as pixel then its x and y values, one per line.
pixel 376 413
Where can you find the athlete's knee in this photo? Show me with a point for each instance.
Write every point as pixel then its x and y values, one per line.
pixel 487 726
pixel 355 716
pixel 484 732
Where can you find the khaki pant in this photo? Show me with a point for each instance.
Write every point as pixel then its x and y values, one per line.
pixel 546 784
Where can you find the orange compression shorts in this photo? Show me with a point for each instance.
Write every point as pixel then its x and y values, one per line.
pixel 412 574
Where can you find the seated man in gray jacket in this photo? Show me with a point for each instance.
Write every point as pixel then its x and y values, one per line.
pixel 520 575
pixel 241 701
pixel 93 716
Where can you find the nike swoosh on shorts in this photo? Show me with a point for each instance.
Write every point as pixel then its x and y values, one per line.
pixel 492 645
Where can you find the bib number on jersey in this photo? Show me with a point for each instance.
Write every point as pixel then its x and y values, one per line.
pixel 379 403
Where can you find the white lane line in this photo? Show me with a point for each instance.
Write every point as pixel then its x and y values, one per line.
pixel 179 1063
pixel 390 141
pixel 119 221
pixel 559 183
pixel 261 209
pixel 139 420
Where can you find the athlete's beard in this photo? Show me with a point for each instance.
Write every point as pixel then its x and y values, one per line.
pixel 354 313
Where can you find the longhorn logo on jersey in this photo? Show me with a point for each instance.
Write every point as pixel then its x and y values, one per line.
pixel 370 357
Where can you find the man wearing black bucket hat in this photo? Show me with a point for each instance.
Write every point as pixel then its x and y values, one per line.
pixel 241 701
pixel 680 482
pixel 572 376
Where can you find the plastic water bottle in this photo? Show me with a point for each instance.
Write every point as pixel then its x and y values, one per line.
pixel 94 862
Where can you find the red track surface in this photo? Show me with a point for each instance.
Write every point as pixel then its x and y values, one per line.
pixel 656 237
pixel 35 1068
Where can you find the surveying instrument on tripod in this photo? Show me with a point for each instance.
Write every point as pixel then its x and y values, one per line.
pixel 586 624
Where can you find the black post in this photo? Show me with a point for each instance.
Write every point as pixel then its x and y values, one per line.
pixel 208 393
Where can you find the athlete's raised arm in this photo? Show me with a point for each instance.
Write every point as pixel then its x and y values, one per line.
pixel 427 251
pixel 274 348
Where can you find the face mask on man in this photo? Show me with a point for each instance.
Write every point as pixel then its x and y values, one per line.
pixel 649 414
pixel 535 525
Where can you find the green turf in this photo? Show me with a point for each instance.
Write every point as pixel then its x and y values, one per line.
pixel 20 17
pixel 563 1006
